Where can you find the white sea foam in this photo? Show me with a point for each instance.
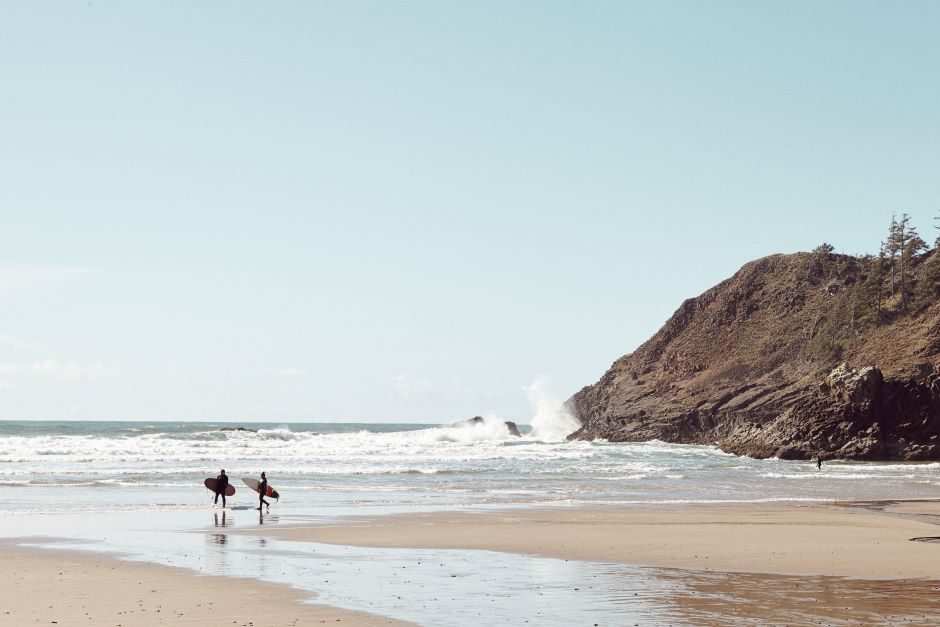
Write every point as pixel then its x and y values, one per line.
pixel 463 464
pixel 490 429
pixel 552 421
pixel 280 433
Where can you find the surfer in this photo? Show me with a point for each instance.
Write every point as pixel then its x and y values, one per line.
pixel 221 483
pixel 262 490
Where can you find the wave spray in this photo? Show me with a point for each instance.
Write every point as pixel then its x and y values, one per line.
pixel 552 421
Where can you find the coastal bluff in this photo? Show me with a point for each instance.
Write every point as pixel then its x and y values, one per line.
pixel 796 356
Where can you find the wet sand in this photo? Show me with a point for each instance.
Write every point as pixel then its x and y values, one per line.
pixel 713 598
pixel 834 541
pixel 71 588
pixel 716 565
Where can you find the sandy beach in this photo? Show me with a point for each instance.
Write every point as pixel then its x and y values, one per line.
pixel 872 542
pixel 71 588
pixel 718 564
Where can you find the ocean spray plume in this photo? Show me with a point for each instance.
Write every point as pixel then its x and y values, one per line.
pixel 552 421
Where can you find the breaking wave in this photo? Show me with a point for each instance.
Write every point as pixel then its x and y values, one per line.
pixel 464 463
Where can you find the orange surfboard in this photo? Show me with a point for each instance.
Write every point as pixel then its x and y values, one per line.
pixel 254 484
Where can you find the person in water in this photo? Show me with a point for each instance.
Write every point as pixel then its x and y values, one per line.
pixel 221 484
pixel 262 491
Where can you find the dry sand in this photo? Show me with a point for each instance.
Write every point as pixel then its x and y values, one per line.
pixel 863 542
pixel 70 588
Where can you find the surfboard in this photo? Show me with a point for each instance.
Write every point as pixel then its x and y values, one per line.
pixel 211 481
pixel 254 484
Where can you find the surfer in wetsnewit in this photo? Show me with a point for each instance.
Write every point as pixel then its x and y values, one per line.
pixel 221 483
pixel 262 490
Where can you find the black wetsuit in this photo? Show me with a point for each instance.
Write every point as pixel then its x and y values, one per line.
pixel 262 491
pixel 221 483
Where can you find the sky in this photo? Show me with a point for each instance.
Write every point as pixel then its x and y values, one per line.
pixel 411 211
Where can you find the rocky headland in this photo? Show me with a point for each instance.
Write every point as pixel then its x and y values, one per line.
pixel 796 356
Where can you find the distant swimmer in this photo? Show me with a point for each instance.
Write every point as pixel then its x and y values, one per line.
pixel 819 463
pixel 221 483
pixel 262 490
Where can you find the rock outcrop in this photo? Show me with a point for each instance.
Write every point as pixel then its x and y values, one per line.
pixel 476 420
pixel 780 360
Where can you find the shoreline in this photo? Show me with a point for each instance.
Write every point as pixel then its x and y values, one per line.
pixel 860 539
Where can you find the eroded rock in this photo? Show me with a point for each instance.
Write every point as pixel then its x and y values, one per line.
pixel 751 365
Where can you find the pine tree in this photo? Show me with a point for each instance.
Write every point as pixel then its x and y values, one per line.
pixel 890 249
pixel 822 259
pixel 880 276
pixel 868 293
pixel 907 244
pixel 929 285
pixel 928 288
pixel 936 241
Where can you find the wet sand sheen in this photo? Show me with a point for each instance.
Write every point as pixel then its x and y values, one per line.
pixel 783 540
pixel 713 598
pixel 718 565
pixel 68 588
pixel 694 565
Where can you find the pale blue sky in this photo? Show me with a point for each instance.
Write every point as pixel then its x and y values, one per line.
pixel 407 211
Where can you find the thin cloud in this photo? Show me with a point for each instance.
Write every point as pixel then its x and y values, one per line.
pixel 15 342
pixel 456 391
pixel 59 369
pixel 16 277
pixel 410 387
pixel 290 372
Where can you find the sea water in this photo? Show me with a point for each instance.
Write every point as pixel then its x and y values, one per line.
pixel 48 467
pixel 135 490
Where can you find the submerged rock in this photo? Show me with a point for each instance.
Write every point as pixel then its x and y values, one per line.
pixel 476 420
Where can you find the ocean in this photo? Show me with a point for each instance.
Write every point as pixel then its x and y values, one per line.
pixel 134 490
pixel 342 468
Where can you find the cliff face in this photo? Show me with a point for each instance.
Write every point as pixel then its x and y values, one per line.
pixel 786 358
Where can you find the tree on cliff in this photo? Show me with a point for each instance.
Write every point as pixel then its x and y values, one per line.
pixel 870 290
pixel 890 249
pixel 936 241
pixel 928 287
pixel 821 264
pixel 903 245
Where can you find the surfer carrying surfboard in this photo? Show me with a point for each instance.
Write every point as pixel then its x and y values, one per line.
pixel 221 483
pixel 262 490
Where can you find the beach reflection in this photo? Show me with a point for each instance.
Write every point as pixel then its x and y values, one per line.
pixel 734 598
pixel 460 587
